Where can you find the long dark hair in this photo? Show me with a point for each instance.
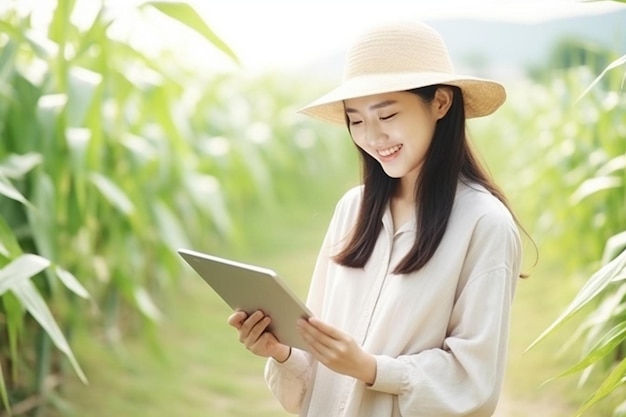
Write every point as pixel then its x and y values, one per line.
pixel 448 160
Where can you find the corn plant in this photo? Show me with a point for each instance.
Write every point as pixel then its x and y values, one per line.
pixel 603 330
pixel 109 161
pixel 88 219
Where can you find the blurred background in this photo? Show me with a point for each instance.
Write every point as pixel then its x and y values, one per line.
pixel 130 129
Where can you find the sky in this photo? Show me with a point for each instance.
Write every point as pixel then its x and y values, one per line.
pixel 279 33
pixel 288 34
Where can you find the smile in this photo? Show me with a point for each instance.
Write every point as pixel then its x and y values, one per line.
pixel 389 151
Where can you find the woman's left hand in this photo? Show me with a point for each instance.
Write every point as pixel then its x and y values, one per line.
pixel 337 350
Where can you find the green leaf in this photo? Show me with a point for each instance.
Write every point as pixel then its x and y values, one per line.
pixel 15 326
pixel 186 15
pixel 16 166
pixel 20 270
pixel 207 194
pixel 114 194
pixel 589 291
pixel 8 190
pixel 609 342
pixel 4 394
pixel 614 380
pixel 614 245
pixel 146 305
pixel 83 84
pixel 169 226
pixel 70 281
pixel 8 243
pixel 36 306
pixel 43 47
pixel 61 22
pixel 595 185
pixel 613 165
pixel 612 65
pixel 42 221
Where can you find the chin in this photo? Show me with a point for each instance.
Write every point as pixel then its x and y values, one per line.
pixel 394 174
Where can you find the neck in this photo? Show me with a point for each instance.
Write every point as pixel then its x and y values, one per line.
pixel 406 188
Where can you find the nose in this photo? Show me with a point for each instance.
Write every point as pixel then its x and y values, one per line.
pixel 375 134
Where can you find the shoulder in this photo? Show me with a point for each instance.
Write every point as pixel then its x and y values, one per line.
pixel 491 233
pixel 347 210
pixel 483 215
pixel 351 200
pixel 474 202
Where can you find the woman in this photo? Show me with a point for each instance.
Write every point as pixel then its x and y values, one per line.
pixel 413 286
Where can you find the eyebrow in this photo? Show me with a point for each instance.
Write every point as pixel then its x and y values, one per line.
pixel 373 106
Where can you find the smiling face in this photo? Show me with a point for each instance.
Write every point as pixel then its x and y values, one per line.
pixel 396 129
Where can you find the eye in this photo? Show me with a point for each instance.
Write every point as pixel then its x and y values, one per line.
pixel 388 117
pixel 355 122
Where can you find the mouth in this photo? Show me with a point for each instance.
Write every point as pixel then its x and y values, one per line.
pixel 389 151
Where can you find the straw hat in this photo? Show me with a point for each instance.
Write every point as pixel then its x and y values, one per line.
pixel 402 56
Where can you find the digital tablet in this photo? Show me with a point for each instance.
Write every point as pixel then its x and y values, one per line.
pixel 250 288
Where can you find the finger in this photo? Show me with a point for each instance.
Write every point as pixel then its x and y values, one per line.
pixel 318 340
pixel 249 323
pixel 325 328
pixel 237 318
pixel 257 331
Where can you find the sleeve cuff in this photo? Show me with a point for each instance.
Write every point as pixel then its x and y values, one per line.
pixel 389 375
pixel 296 363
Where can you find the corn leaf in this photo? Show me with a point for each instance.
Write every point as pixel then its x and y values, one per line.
pixel 207 194
pixel 8 243
pixel 59 25
pixel 70 282
pixel 15 326
pixel 614 245
pixel 8 190
pixel 42 221
pixel 595 185
pixel 113 193
pixel 589 291
pixel 146 305
pixel 36 306
pixel 16 166
pixel 618 62
pixel 82 86
pixel 615 379
pixel 607 343
pixel 3 393
pixel 21 269
pixel 16 278
pixel 170 228
pixel 186 15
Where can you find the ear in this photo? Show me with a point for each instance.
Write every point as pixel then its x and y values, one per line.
pixel 442 101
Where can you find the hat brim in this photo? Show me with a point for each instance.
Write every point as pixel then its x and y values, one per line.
pixel 481 96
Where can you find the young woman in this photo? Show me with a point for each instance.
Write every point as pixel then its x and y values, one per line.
pixel 413 286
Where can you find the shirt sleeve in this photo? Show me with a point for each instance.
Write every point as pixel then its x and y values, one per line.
pixel 289 380
pixel 464 376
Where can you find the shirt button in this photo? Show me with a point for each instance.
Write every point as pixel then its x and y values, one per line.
pixel 342 406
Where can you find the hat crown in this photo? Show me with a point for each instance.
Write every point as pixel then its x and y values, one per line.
pixel 398 48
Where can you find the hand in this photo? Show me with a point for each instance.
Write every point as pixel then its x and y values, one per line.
pixel 337 350
pixel 253 334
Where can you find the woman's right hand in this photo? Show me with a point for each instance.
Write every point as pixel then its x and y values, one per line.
pixel 254 336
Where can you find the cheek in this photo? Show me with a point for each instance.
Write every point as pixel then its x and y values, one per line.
pixel 357 138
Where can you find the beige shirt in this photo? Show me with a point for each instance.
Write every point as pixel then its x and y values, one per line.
pixel 439 335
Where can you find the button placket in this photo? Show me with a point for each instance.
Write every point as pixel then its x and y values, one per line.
pixel 373 296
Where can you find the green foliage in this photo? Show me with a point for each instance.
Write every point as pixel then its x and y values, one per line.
pixel 109 161
pixel 599 197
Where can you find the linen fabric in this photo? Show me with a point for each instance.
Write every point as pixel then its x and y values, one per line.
pixel 439 335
